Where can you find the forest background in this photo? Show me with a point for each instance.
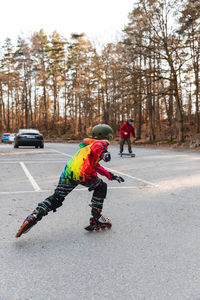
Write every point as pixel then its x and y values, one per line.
pixel 65 87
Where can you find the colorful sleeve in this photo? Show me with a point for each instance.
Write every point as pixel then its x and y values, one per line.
pixel 99 169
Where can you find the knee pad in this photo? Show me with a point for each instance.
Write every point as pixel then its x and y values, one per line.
pixel 101 190
pixel 98 197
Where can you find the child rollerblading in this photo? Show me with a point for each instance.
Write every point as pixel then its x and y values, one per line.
pixel 82 169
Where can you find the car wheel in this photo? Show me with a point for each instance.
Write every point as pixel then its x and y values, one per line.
pixel 42 146
pixel 36 146
pixel 16 146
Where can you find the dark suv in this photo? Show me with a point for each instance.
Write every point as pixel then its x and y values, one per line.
pixel 29 137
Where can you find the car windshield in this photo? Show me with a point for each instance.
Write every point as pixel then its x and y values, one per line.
pixel 29 133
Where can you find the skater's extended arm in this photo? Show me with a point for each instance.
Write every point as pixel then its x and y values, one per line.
pixel 108 174
pixel 103 171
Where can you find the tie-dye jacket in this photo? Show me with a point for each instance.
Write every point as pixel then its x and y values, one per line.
pixel 84 165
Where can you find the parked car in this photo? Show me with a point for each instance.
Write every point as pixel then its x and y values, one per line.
pixel 29 137
pixel 12 137
pixel 5 137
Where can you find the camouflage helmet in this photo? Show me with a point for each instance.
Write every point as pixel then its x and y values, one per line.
pixel 102 132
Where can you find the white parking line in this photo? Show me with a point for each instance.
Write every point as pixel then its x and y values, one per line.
pixel 135 178
pixel 32 161
pixel 37 188
pixel 63 153
pixel 21 192
pixel 26 152
pixel 30 177
pixel 75 190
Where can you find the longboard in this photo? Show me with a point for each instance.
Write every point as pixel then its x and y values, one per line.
pixel 127 154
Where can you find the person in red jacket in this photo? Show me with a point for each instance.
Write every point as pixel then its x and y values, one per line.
pixel 125 132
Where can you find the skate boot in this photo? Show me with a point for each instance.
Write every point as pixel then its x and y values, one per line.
pixel 29 222
pixel 99 224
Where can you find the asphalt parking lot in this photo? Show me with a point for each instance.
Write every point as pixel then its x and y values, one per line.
pixel 151 252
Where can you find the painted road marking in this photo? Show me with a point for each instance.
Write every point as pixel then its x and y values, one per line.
pixel 32 161
pixel 27 152
pixel 68 155
pixel 37 188
pixel 135 178
pixel 30 177
pixel 75 190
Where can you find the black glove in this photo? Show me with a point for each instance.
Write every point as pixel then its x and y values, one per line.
pixel 106 156
pixel 118 178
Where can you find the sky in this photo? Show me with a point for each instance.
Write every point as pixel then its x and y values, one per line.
pixel 101 20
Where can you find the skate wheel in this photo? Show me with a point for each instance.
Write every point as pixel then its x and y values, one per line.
pixel 89 229
pixel 97 229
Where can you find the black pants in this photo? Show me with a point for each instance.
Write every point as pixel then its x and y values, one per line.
pixel 63 189
pixel 122 141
